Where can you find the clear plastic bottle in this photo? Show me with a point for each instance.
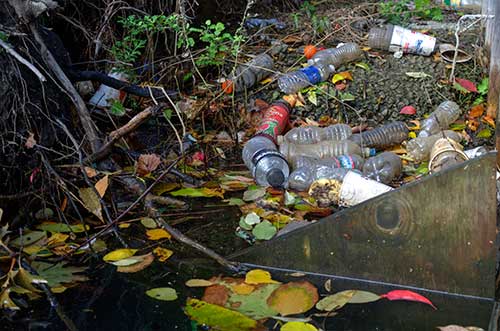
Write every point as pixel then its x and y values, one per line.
pixel 383 136
pixel 322 150
pixel 248 74
pixel 314 134
pixel 383 167
pixel 395 38
pixel 267 165
pixel 476 152
pixel 302 178
pixel 297 80
pixel 419 149
pixel 336 57
pixel 342 161
pixel 445 114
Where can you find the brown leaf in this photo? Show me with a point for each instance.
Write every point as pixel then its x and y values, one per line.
pixel 102 185
pixel 293 298
pixel 30 142
pixel 91 173
pixel 147 163
pixel 476 111
pixel 216 294
pixel 146 261
pixel 91 201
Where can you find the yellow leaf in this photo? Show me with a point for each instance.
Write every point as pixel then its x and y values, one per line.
pixel 259 276
pixel 157 234
pixel 124 225
pixel 298 326
pixel 344 75
pixel 412 135
pixel 199 283
pixel 57 238
pixel 143 263
pixel 243 289
pixel 266 81
pixel 162 253
pixel 58 289
pixel 365 49
pixel 102 185
pixel 119 254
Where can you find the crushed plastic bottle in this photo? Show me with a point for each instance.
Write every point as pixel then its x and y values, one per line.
pixel 302 178
pixel 395 38
pixel 440 119
pixel 260 154
pixel 105 95
pixel 297 80
pixel 341 161
pixel 323 149
pixel 344 53
pixel 314 134
pixel 419 149
pixel 382 137
pixel 383 167
pixel 248 74
pixel 476 152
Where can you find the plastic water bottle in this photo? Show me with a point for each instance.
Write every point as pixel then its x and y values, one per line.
pixel 476 152
pixel 314 134
pixel 260 154
pixel 323 149
pixel 342 161
pixel 383 167
pixel 343 54
pixel 105 95
pixel 248 74
pixel 445 114
pixel 297 80
pixel 419 149
pixel 383 136
pixel 302 178
pixel 395 38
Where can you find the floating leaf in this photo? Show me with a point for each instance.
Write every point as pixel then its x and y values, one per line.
pixel 298 326
pixel 243 289
pixel 149 223
pixel 244 225
pixel 364 297
pixel 62 227
pixel 102 185
pixel 198 283
pixel 147 163
pixel 119 254
pixel 408 110
pixel 58 275
pixel 335 301
pixel 201 192
pixel 484 133
pixel 28 238
pixel 91 201
pixel 125 262
pixel 362 65
pixel 253 304
pixel 419 74
pixel 265 230
pixel 143 262
pixel 407 296
pixel 220 318
pixel 162 253
pixel 235 202
pixel 161 188
pixel 216 294
pixel 252 195
pixel 293 298
pixel 259 276
pixel 162 293
pixel 466 84
pixel 157 234
pixel 26 280
pixel 5 300
pixel 476 111
pixel 252 219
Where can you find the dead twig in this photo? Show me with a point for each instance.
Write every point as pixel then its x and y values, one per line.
pixel 8 48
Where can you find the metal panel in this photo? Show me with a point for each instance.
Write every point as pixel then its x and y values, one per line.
pixel 437 233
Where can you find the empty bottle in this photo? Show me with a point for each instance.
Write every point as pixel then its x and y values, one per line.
pixel 445 114
pixel 297 80
pixel 314 134
pixel 383 167
pixel 336 57
pixel 248 74
pixel 275 120
pixel 395 38
pixel 444 154
pixel 384 136
pixel 419 149
pixel 342 161
pixel 323 149
pixel 302 178
pixel 476 152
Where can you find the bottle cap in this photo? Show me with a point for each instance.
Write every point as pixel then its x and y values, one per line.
pixel 275 178
pixel 227 86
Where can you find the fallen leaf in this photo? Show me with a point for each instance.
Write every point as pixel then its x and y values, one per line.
pixel 143 262
pixel 59 275
pixel 458 126
pixel 30 141
pixel 198 283
pixel 161 188
pixel 28 238
pixel 328 285
pixel 254 194
pixel 162 293
pixel 340 86
pixel 362 65
pixel 344 75
pixel 162 253
pixel 157 234
pixel 293 298
pixel 90 201
pixel 147 163
pixel 124 225
pixel 119 254
pixel 483 86
pixel 201 192
pixel 91 173
pixel 253 304
pixel 5 300
pixel 149 223
pixel 265 230
pixel 484 133
pixel 312 97
pixel 266 81
pixel 26 280
pixel 408 110
pixel 259 276
pixel 298 326
pixel 220 318
pixel 466 84
pixel 252 219
pixel 235 202
pixel 102 185
pixel 216 294
pixel 347 97
pixel 243 289
pixel 364 297
pixel 489 120
pixel 62 227
pixel 476 111
pixel 57 238
pixel 335 301
pixel 419 74
pixel 407 296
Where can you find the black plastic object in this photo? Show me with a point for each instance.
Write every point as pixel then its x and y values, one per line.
pixel 437 233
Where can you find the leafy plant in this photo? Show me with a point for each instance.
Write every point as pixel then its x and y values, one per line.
pixel 400 12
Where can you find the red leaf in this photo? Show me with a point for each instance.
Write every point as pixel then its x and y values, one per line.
pixel 407 296
pixel 466 84
pixel 340 86
pixel 408 110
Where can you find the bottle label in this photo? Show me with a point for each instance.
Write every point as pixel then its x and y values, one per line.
pixel 274 121
pixel 313 74
pixel 346 162
pixel 411 42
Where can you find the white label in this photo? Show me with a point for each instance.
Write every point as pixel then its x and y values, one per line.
pixel 356 189
pixel 411 42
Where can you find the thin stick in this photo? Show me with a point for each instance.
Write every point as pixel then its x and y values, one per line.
pixel 21 59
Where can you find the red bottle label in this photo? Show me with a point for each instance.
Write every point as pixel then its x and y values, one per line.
pixel 274 122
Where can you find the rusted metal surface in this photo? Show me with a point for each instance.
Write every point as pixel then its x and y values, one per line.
pixel 437 233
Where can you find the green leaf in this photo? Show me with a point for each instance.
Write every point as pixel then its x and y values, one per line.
pixel 482 88
pixel 423 168
pixel 364 297
pixel 254 194
pixel 162 293
pixel 62 227
pixel 347 97
pixel 479 100
pixel 244 225
pixel 167 113
pixel 28 238
pixel 149 223
pixel 458 126
pixel 264 230
pixel 186 77
pixel 235 202
pixel 117 108
pixel 311 96
pixel 252 219
pixel 58 274
pixel 91 201
pixel 254 305
pixel 201 192
pixel 219 318
pixel 484 133
pixel 335 301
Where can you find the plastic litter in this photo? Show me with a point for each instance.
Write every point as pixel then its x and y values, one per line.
pixel 419 149
pixel 383 136
pixel 249 74
pixel 105 95
pixel 445 114
pixel 444 154
pixel 263 22
pixel 384 167
pixel 394 38
pixel 314 134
